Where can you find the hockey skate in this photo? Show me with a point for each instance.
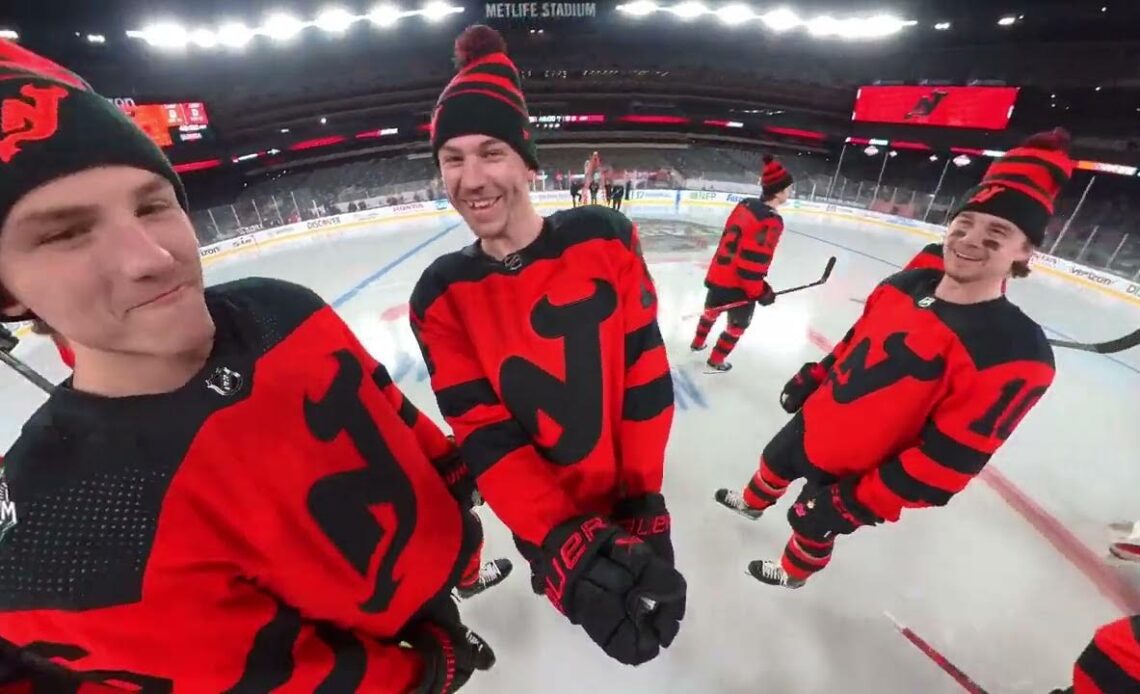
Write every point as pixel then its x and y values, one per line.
pixel 773 574
pixel 698 348
pixel 723 367
pixel 735 501
pixel 491 574
pixel 1124 541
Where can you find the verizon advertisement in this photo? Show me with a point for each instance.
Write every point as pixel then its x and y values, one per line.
pixel 987 108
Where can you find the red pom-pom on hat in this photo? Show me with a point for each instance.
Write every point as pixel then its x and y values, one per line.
pixel 1057 139
pixel 477 41
pixel 15 58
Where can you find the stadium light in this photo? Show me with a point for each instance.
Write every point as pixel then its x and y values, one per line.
pixel 282 27
pixel 735 13
pixel 962 160
pixel 781 19
pixel 96 39
pixel 435 11
pixel 942 26
pixel 639 8
pixel 933 157
pixel 871 150
pixel 689 10
pixel 1007 20
pixel 163 35
pixel 204 38
pixel 335 20
pixel 892 153
pixel 234 35
pixel 9 34
pixel 385 15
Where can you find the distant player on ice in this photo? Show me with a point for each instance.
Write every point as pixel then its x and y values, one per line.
pixel 926 386
pixel 737 272
pixel 546 359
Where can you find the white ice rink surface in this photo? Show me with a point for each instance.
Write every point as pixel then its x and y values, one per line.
pixel 1009 595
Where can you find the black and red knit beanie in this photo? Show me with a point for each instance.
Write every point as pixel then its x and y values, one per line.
pixel 1023 184
pixel 52 124
pixel 774 177
pixel 485 98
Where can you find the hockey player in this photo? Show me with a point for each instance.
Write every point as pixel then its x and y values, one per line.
pixel 229 493
pixel 926 386
pixel 931 257
pixel 1110 664
pixel 737 272
pixel 545 356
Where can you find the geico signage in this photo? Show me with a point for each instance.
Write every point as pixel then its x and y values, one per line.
pixel 1045 259
pixel 1091 276
pixel 702 195
pixel 241 241
pixel 324 222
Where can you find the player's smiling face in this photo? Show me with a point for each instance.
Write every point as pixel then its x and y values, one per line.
pixel 108 258
pixel 982 247
pixel 487 182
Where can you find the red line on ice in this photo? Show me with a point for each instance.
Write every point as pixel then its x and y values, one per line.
pixel 1117 590
pixel 394 312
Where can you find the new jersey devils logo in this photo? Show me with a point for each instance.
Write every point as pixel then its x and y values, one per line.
pixel 29 121
pixel 900 363
pixel 926 105
pixel 576 403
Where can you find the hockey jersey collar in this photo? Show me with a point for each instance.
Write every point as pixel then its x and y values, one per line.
pixel 515 262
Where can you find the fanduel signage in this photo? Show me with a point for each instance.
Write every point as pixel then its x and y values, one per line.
pixel 540 10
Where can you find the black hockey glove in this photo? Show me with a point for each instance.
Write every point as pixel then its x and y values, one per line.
pixel 453 469
pixel 628 600
pixel 646 517
pixel 824 512
pixel 803 384
pixel 766 297
pixel 451 655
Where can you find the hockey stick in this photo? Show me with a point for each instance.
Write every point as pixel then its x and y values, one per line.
pixel 940 660
pixel 27 372
pixel 822 280
pixel 1120 344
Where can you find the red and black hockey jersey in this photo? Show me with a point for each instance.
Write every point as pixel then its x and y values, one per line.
pixel 550 368
pixel 1111 663
pixel 275 524
pixel 921 392
pixel 746 248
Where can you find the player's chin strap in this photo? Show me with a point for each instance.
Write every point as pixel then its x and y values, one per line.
pixel 8 342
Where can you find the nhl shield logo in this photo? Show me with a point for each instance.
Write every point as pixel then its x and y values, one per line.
pixel 7 509
pixel 926 302
pixel 224 381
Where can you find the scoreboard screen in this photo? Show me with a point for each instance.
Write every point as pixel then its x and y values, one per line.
pixel 988 108
pixel 168 124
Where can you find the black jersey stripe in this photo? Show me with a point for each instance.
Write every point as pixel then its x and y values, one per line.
pixel 489 444
pixel 640 341
pixel 644 402
pixel 911 489
pixel 950 453
pixel 458 400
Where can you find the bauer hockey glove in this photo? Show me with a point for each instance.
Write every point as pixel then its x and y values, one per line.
pixel 824 512
pixel 806 381
pixel 451 655
pixel 647 517
pixel 628 600
pixel 453 469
